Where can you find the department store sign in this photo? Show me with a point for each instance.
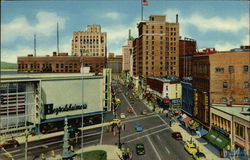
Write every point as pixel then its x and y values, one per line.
pixel 50 109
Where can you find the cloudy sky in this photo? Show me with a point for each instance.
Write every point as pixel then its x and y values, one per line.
pixel 220 24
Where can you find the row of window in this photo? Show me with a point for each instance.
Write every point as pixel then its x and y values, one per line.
pixel 161 42
pixel 245 84
pixel 167 33
pixel 245 68
pixel 161 38
pixel 225 100
pixel 161 48
pixel 161 27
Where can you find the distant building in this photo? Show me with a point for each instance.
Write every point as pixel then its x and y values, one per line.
pixel 92 42
pixel 115 63
pixel 167 91
pixel 187 48
pixel 220 78
pixel 157 49
pixel 126 52
pixel 187 97
pixel 61 63
pixel 230 130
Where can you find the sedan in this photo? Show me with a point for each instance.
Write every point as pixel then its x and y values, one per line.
pixel 177 135
pixel 10 144
pixel 123 115
pixel 190 148
pixel 140 150
pixel 138 128
pixel 199 156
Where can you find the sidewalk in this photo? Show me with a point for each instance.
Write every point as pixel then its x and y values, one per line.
pixel 202 145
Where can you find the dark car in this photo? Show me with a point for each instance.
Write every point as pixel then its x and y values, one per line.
pixel 10 144
pixel 177 135
pixel 140 150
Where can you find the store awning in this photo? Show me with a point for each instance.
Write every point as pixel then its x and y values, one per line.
pixel 201 132
pixel 186 119
pixel 217 139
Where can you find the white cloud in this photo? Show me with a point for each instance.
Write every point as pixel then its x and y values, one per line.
pixel 226 46
pixel 246 41
pixel 229 24
pixel 112 15
pixel 171 15
pixel 21 28
pixel 10 55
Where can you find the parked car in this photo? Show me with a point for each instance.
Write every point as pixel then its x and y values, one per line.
pixel 115 121
pixel 10 144
pixel 144 112
pixel 191 148
pixel 177 135
pixel 130 109
pixel 138 127
pixel 199 156
pixel 140 150
pixel 123 115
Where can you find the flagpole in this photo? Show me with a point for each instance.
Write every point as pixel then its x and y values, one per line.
pixel 141 10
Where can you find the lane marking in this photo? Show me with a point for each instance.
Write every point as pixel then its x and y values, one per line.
pixel 129 104
pixel 143 131
pixel 147 135
pixel 167 150
pixel 140 118
pixel 157 136
pixel 162 119
pixel 157 154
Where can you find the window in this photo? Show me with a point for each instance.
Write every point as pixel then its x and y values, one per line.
pixel 224 100
pixel 231 69
pixel 153 27
pixel 152 37
pixel 161 27
pixel 240 130
pixel 219 69
pixel 246 85
pixel 166 87
pixel 246 100
pixel 225 85
pixel 245 68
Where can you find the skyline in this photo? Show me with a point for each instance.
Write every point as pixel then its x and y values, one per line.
pixel 206 22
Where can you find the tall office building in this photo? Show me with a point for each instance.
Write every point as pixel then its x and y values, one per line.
pixel 92 42
pixel 157 50
pixel 126 52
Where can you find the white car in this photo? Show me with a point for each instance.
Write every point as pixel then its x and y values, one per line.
pixel 123 115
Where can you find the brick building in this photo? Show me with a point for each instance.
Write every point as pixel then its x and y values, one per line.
pixel 92 42
pixel 187 48
pixel 61 63
pixel 157 49
pixel 126 52
pixel 220 78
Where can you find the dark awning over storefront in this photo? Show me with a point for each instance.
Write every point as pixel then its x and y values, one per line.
pixel 217 139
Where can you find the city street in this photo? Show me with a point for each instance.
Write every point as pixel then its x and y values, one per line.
pixel 36 148
pixel 156 133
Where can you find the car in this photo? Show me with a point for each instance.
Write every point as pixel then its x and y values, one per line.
pixel 10 144
pixel 123 115
pixel 191 148
pixel 130 109
pixel 117 101
pixel 138 127
pixel 140 150
pixel 115 121
pixel 144 112
pixel 177 135
pixel 199 156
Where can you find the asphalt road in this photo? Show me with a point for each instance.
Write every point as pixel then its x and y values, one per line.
pixel 156 135
pixel 36 148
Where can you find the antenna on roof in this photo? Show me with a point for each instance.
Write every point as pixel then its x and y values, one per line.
pixel 35 44
pixel 57 36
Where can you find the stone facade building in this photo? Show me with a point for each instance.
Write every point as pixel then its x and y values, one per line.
pixel 92 42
